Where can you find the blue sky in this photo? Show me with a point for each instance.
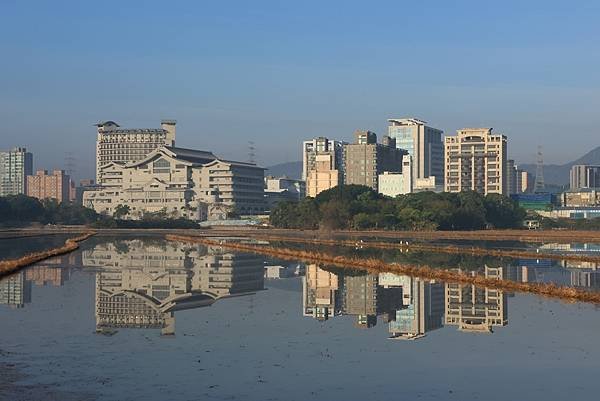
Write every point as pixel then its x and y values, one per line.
pixel 276 72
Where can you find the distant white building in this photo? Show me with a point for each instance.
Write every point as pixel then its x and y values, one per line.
pixel 393 184
pixel 283 189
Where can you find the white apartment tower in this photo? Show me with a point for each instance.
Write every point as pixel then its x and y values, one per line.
pixel 475 160
pixel 116 144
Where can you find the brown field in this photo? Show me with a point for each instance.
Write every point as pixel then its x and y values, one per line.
pixel 11 266
pixel 425 272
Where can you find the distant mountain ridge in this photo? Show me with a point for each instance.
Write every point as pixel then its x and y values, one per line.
pixel 558 174
pixel 290 170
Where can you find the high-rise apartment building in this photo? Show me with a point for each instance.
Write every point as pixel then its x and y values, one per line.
pixel 116 144
pixel 15 166
pixel 584 176
pixel 475 160
pixel 365 159
pixel 322 164
pixel 49 186
pixel 423 143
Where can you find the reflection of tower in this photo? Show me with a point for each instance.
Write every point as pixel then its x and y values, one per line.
pixel 539 172
pixel 360 299
pixel 423 310
pixel 15 290
pixel 476 309
pixel 320 293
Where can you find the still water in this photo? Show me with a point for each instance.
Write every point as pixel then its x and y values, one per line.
pixel 147 319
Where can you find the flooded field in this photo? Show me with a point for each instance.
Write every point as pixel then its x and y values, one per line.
pixel 149 319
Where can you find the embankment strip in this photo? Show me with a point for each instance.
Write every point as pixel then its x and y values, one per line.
pixel 13 265
pixel 420 271
pixel 450 249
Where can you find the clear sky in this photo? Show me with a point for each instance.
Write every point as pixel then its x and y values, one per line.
pixel 276 72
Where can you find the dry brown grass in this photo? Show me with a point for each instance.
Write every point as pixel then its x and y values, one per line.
pixel 12 265
pixel 450 249
pixel 421 271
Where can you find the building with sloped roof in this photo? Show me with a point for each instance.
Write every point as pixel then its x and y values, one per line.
pixel 178 182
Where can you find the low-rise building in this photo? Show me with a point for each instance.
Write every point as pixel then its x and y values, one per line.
pixel 283 189
pixel 179 183
pixel 397 183
pixel 583 197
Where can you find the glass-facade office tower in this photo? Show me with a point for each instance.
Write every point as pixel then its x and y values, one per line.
pixel 15 166
pixel 423 143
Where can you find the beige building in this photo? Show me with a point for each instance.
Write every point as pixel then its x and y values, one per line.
pixel 321 146
pixel 322 164
pixel 475 160
pixel 584 176
pixel 323 175
pixel 49 186
pixel 476 309
pixel 423 143
pixel 116 144
pixel 181 183
pixel 365 159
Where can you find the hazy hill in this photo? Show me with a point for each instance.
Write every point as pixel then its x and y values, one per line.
pixel 289 169
pixel 558 174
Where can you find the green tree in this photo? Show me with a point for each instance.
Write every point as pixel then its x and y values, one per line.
pixel 121 211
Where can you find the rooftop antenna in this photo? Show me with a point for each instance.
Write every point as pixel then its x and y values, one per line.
pixel 539 172
pixel 251 152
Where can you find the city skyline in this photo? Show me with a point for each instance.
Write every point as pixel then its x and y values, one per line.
pixel 284 74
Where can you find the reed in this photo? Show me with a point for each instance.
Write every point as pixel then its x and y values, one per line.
pixel 12 265
pixel 421 271
pixel 450 249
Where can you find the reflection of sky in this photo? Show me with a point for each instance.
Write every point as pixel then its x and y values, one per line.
pixel 260 347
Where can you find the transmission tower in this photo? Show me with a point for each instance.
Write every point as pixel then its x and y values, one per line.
pixel 70 163
pixel 251 152
pixel 539 172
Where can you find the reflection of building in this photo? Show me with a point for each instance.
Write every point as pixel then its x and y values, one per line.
pixel 42 275
pixel 590 279
pixel 360 299
pixel 320 293
pixel 15 290
pixel 476 309
pixel 422 311
pixel 141 284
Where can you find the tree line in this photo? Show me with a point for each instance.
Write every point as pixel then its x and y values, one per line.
pixel 361 208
